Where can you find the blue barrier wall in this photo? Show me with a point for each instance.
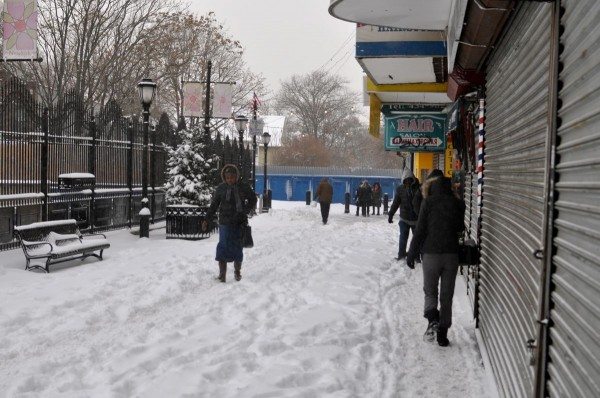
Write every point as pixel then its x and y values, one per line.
pixel 294 187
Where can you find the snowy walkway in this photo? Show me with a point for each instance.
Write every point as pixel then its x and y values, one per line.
pixel 321 311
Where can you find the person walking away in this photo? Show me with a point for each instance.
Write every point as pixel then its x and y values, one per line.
pixel 440 224
pixel 325 195
pixel 369 197
pixel 234 200
pixel 403 199
pixel 376 197
pixel 357 199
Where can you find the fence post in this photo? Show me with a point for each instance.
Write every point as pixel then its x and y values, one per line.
pixel 347 203
pixel 153 172
pixel 92 169
pixel 44 164
pixel 130 170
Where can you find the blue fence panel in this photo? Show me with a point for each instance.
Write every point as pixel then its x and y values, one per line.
pixel 294 187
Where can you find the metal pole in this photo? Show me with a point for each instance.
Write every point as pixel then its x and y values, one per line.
pixel 254 111
pixel 92 170
pixel 153 173
pixel 146 115
pixel 145 213
pixel 44 165
pixel 130 170
pixel 254 161
pixel 241 157
pixel 207 100
pixel 265 177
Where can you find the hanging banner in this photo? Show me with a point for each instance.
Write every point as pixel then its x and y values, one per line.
pixel 20 30
pixel 192 99
pixel 415 132
pixel 222 100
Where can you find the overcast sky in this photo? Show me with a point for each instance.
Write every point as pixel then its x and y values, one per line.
pixel 282 37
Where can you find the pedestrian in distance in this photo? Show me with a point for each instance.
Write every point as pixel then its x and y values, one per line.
pixel 376 197
pixel 403 199
pixel 369 198
pixel 324 197
pixel 234 201
pixel 356 199
pixel 364 197
pixel 441 221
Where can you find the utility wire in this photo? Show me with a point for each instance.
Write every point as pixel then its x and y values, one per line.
pixel 343 45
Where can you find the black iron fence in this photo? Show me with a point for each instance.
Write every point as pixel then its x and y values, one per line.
pixel 39 143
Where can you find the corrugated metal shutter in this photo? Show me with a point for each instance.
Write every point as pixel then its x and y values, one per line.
pixel 470 198
pixel 513 195
pixel 574 352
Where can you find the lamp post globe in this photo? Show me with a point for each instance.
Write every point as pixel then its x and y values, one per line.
pixel 146 91
pixel 266 138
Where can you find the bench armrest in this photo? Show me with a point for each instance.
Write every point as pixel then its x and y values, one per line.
pixel 31 246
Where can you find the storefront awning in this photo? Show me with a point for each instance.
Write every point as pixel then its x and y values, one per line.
pixel 413 14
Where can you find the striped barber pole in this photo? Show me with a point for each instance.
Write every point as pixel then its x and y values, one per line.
pixel 480 159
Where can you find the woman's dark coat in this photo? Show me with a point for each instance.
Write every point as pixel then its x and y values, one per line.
pixel 228 214
pixel 441 221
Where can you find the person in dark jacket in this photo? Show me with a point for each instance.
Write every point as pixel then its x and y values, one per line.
pixel 325 195
pixel 364 197
pixel 376 197
pixel 403 199
pixel 436 237
pixel 234 200
pixel 419 195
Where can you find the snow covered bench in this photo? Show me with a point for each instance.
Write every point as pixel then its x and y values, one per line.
pixel 58 241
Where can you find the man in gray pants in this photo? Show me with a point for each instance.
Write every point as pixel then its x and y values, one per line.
pixel 439 226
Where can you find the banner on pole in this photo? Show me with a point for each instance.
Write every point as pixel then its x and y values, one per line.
pixel 19 30
pixel 222 100
pixel 192 99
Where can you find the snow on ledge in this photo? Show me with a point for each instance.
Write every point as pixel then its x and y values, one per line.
pixel 22 196
pixel 44 224
pixel 76 175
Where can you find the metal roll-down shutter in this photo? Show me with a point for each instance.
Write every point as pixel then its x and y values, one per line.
pixel 574 350
pixel 513 195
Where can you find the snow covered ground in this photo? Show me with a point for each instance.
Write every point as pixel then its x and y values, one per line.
pixel 321 311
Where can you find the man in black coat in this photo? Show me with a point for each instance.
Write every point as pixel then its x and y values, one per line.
pixel 441 221
pixel 403 200
pixel 234 200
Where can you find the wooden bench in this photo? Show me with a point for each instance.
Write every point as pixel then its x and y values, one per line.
pixel 57 241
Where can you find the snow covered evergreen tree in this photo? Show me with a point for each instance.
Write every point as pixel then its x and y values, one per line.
pixel 190 169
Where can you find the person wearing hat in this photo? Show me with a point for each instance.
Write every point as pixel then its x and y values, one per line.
pixel 234 200
pixel 403 200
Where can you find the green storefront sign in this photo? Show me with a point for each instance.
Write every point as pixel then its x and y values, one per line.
pixel 415 132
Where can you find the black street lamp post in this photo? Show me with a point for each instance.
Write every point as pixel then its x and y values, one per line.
pixel 266 137
pixel 255 130
pixel 146 90
pixel 241 122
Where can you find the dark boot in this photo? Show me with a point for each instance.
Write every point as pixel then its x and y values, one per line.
pixel 238 271
pixel 442 337
pixel 222 271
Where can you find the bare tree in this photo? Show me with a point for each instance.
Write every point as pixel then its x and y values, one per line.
pixel 317 104
pixel 99 50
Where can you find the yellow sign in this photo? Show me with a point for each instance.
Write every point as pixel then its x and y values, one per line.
pixel 448 160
